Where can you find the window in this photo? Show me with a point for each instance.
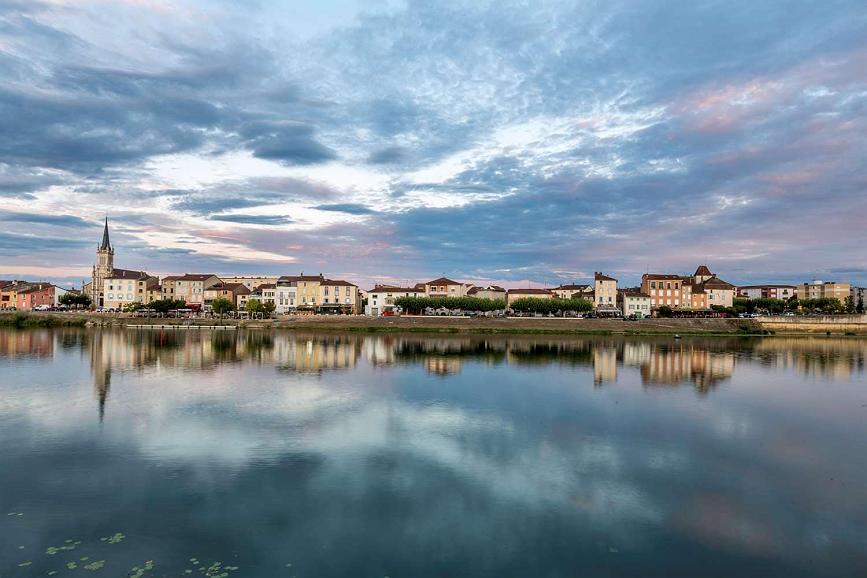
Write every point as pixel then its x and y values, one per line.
pixel 653 284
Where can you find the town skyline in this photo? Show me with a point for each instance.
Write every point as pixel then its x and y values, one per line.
pixel 391 141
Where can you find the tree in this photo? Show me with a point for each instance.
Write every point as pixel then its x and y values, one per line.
pixel 269 307
pixel 860 307
pixel 254 306
pixel 664 311
pixel 75 300
pixel 165 305
pixel 221 306
pixel 849 304
pixel 132 307
pixel 546 306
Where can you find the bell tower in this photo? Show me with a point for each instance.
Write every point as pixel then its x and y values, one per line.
pixel 104 266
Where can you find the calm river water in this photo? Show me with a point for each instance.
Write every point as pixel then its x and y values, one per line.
pixel 257 454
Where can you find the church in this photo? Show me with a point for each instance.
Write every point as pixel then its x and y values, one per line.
pixel 134 282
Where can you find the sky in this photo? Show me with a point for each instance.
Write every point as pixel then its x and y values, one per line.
pixel 398 141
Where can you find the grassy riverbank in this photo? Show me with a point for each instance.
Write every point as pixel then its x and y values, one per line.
pixel 23 320
pixel 464 325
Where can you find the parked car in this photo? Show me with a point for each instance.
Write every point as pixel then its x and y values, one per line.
pixel 42 308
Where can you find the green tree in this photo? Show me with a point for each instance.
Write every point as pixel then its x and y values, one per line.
pixel 546 306
pixel 860 307
pixel 849 304
pixel 269 307
pixel 165 305
pixel 132 307
pixel 664 311
pixel 75 300
pixel 221 306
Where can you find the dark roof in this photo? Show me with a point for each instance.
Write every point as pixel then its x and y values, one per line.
pixel 233 287
pixel 492 288
pixel 531 291
pixel 302 277
pixel 390 289
pixel 572 287
pixel 33 287
pixel 660 276
pixel 443 281
pixel 338 282
pixel 105 245
pixel 717 283
pixel 194 277
pixel 633 293
pixel 598 276
pixel 702 271
pixel 267 286
pixel 767 285
pixel 128 274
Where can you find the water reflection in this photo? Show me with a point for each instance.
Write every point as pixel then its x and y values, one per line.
pixel 408 455
pixel 662 361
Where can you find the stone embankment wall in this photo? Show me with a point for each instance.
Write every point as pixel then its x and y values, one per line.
pixel 853 324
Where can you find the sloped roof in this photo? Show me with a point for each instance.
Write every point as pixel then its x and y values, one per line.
pixel 390 289
pixel 338 282
pixel 702 271
pixel 717 283
pixel 194 277
pixel 443 281
pixel 128 274
pixel 530 291
pixel 598 276
pixel 661 277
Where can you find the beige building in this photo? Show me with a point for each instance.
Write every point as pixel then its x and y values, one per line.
pixel 719 292
pixel 489 292
pixel 604 291
pixel 444 287
pixel 123 287
pixel 515 294
pixel 573 291
pixel 338 296
pixel 189 287
pixel 297 293
pixel 819 289
pixel 380 299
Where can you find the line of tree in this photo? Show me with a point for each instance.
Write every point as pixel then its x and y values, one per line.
pixel 222 305
pixel 76 300
pixel 419 304
pixel 545 306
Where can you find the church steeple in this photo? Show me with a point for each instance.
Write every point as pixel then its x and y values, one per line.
pixel 105 245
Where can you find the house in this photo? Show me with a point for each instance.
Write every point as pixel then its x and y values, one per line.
pixel 573 291
pixel 381 298
pixel 634 303
pixel 515 294
pixel 819 289
pixel 700 291
pixel 489 292
pixel 265 293
pixel 190 287
pixel 237 293
pixel 770 291
pixel 444 287
pixel 123 287
pixel 9 293
pixel 297 293
pixel 153 293
pixel 35 295
pixel 719 293
pixel 604 291
pixel 338 296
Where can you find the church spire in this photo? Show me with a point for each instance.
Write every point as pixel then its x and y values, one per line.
pixel 105 242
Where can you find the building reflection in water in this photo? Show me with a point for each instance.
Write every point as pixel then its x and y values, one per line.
pixel 661 362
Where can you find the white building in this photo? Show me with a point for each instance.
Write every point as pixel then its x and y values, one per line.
pixel 635 303
pixel 381 298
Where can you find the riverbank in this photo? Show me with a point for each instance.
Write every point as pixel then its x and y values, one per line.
pixel 842 325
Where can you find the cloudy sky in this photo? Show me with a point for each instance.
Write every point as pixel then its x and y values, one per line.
pixel 400 140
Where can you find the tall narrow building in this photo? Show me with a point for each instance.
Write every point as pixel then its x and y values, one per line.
pixel 103 269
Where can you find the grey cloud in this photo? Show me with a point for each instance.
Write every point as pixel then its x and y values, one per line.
pixel 253 219
pixel 34 218
pixel 350 208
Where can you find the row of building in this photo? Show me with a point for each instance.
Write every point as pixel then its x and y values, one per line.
pixel 114 289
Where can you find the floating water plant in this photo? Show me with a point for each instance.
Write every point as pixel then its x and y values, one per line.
pixel 94 566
